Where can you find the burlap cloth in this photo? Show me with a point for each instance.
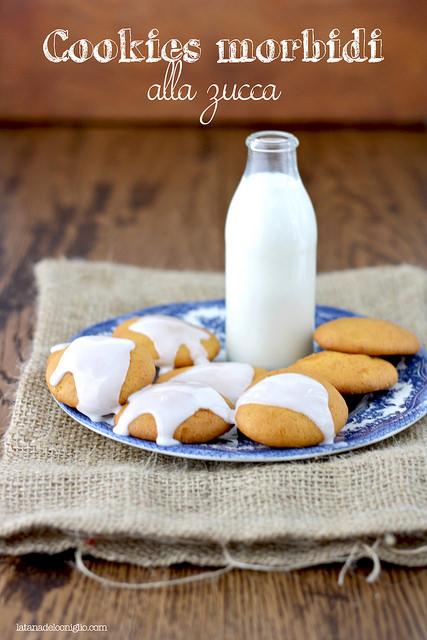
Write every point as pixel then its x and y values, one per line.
pixel 62 486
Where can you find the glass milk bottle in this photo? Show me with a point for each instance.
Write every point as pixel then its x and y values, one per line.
pixel 270 265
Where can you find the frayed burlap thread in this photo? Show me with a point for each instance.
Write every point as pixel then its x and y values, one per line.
pixel 62 486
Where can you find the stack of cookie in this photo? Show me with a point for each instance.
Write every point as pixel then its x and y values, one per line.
pixel 105 376
pixel 349 364
pixel 351 348
pixel 193 400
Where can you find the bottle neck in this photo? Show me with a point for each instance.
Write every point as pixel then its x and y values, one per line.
pixel 272 161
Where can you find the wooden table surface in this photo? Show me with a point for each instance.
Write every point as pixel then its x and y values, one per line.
pixel 158 197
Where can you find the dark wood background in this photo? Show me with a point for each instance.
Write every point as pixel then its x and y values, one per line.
pixel 158 197
pixel 393 91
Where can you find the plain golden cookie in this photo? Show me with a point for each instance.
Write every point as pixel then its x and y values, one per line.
pixel 278 427
pixel 201 427
pixel 366 335
pixel 141 372
pixel 183 357
pixel 348 372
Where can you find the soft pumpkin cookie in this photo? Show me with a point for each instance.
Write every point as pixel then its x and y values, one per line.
pixel 96 374
pixel 171 341
pixel 366 335
pixel 175 412
pixel 291 410
pixel 230 379
pixel 348 372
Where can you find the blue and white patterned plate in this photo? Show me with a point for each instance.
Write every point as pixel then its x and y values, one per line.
pixel 376 417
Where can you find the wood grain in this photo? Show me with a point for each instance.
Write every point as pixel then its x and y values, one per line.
pixel 158 197
pixel 31 88
pixel 247 605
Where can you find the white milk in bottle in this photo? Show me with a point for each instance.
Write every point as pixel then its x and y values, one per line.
pixel 271 238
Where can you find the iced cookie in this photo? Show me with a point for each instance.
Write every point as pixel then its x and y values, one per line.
pixel 171 341
pixel 291 410
pixel 174 412
pixel 96 374
pixel 348 372
pixel 366 335
pixel 230 379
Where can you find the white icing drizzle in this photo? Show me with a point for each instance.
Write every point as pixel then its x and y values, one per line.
pixel 59 347
pixel 168 334
pixel 296 392
pixel 99 365
pixel 230 379
pixel 171 404
pixel 165 369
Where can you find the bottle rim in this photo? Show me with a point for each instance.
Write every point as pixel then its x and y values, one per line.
pixel 272 141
